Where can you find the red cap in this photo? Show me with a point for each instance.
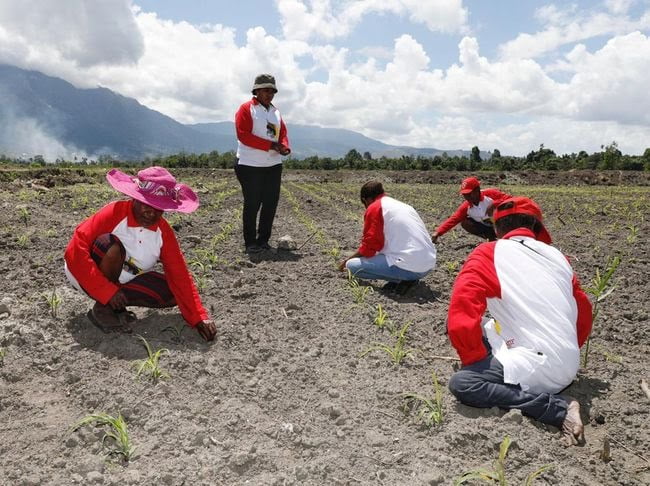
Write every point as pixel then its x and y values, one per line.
pixel 469 184
pixel 522 205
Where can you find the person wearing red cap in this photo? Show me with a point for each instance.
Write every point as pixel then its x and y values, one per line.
pixel 474 213
pixel 112 254
pixel 529 350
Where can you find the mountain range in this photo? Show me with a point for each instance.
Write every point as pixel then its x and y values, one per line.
pixel 44 115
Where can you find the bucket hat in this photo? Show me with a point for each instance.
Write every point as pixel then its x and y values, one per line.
pixel 264 81
pixel 523 205
pixel 469 184
pixel 156 187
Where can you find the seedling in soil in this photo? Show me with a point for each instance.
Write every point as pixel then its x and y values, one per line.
pixel 175 330
pixel 24 215
pixel 117 432
pixel 397 352
pixel 359 292
pixel 634 231
pixel 23 240
pixel 53 302
pixel 498 474
pixel 600 288
pixel 381 319
pixel 149 366
pixel 429 410
pixel 452 266
pixel 3 353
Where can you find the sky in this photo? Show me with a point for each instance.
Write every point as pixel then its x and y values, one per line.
pixel 448 74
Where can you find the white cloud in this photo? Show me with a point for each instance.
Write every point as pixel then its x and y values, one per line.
pixel 324 19
pixel 564 27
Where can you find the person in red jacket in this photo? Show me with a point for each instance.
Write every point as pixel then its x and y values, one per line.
pixel 474 214
pixel 261 142
pixel 112 253
pixel 528 352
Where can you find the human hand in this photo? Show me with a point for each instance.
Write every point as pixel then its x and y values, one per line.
pixel 118 301
pixel 280 148
pixel 342 265
pixel 434 238
pixel 207 330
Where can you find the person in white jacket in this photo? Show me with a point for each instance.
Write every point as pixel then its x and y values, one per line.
pixel 261 142
pixel 395 246
pixel 528 352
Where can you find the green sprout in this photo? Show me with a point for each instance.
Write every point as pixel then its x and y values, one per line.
pixel 23 214
pixel 150 366
pixel 23 240
pixel 497 475
pixel 53 302
pixel 429 410
pixel 117 432
pixel 601 286
pixel 451 266
pixel 359 292
pixel 3 353
pixel 381 319
pixel 397 352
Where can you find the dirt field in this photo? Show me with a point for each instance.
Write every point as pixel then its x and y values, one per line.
pixel 283 396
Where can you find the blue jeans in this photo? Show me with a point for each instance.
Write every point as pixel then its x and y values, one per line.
pixel 481 385
pixel 377 268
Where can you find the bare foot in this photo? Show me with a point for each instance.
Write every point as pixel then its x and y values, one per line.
pixel 572 428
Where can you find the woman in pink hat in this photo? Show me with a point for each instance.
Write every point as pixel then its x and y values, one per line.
pixel 112 253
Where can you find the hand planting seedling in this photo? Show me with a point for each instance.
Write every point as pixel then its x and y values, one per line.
pixel 150 365
pixel 397 352
pixel 358 291
pixel 117 432
pixel 498 474
pixel 600 288
pixel 429 410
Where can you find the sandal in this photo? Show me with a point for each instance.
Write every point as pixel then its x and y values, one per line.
pixel 106 320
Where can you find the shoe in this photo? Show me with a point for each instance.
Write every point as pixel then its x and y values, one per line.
pixel 107 320
pixel 404 286
pixel 390 286
pixel 265 246
pixel 254 248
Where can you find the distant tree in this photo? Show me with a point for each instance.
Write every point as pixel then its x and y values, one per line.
pixel 367 156
pixel 352 159
pixel 496 154
pixel 611 157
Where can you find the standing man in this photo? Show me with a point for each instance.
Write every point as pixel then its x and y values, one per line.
pixel 474 213
pixel 530 350
pixel 395 245
pixel 261 143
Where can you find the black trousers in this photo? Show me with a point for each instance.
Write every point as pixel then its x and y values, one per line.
pixel 261 189
pixel 479 229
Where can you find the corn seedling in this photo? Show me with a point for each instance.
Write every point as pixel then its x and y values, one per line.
pixel 23 240
pixel 451 266
pixel 429 410
pixel 381 319
pixel 359 292
pixel 497 475
pixel 601 286
pixel 634 231
pixel 150 365
pixel 3 353
pixel 397 352
pixel 23 214
pixel 175 330
pixel 117 432
pixel 53 302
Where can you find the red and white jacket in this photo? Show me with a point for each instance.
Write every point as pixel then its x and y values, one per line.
pixel 479 213
pixel 395 230
pixel 144 248
pixel 541 316
pixel 256 128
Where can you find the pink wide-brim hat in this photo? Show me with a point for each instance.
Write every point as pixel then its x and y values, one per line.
pixel 156 187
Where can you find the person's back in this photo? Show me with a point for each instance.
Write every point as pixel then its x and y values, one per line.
pixel 407 241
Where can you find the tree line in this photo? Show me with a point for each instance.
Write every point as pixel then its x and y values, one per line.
pixel 608 158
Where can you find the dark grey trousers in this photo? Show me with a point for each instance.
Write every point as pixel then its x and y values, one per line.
pixel 481 385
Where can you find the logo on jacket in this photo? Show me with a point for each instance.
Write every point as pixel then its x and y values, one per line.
pixel 272 130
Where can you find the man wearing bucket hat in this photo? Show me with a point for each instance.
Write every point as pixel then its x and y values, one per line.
pixel 112 253
pixel 262 141
pixel 474 213
pixel 529 351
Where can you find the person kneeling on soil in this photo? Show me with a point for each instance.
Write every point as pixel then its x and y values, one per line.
pixel 112 253
pixel 530 350
pixel 395 245
pixel 475 212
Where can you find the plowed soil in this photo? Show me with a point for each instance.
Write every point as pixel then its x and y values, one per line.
pixel 283 396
